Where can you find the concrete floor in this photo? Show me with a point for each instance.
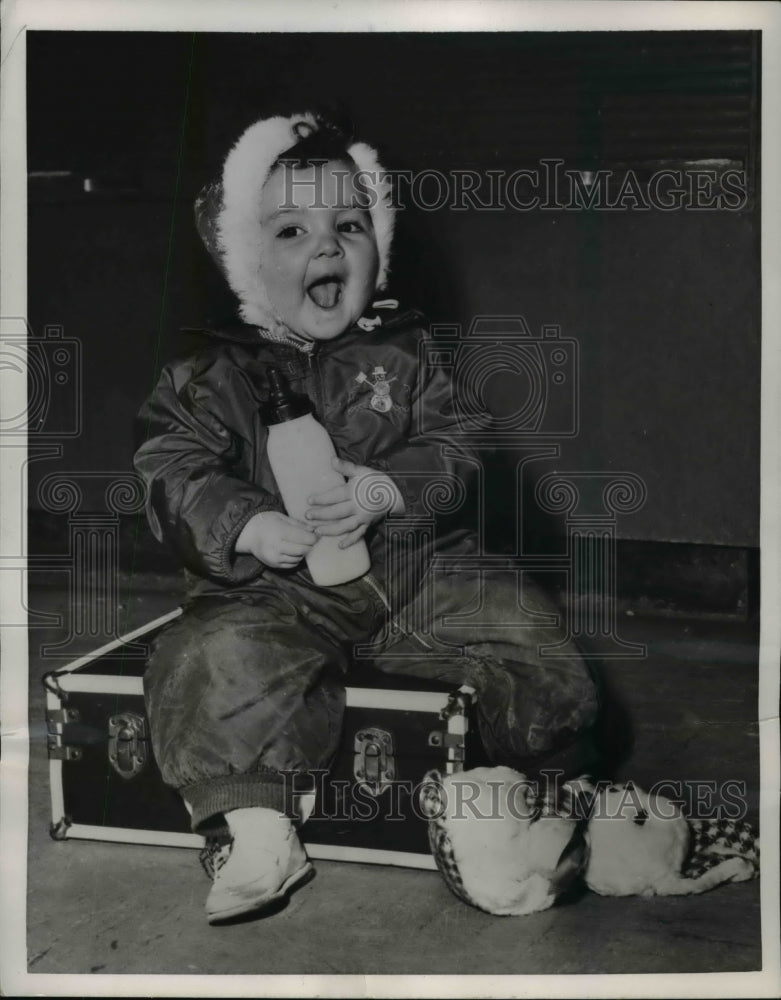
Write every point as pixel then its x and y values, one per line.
pixel 687 712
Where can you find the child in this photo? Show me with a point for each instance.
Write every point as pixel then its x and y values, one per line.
pixel 248 682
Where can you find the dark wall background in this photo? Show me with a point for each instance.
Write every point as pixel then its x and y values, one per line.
pixel 665 306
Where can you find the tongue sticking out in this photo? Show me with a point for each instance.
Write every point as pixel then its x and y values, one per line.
pixel 326 294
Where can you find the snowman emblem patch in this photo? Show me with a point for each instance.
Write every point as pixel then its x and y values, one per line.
pixel 381 388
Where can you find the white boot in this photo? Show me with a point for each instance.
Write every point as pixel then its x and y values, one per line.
pixel 262 864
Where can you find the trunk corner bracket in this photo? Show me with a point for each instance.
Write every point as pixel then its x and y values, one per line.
pixel 59 830
pixel 51 684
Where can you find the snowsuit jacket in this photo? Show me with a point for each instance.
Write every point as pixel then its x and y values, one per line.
pixel 203 453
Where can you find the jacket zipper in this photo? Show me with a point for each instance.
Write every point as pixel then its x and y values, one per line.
pixel 314 367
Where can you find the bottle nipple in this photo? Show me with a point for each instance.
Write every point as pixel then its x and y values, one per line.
pixel 283 404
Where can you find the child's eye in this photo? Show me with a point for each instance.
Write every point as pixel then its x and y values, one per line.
pixel 350 226
pixel 288 232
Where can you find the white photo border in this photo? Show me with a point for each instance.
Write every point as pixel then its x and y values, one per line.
pixel 19 16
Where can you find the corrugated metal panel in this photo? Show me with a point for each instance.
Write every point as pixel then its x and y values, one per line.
pixel 445 101
pixel 603 99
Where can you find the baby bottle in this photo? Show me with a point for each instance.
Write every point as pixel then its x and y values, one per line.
pixel 300 452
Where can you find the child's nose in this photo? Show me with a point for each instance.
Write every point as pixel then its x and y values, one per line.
pixel 328 246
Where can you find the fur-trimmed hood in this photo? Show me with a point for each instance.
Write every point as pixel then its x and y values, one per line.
pixel 227 211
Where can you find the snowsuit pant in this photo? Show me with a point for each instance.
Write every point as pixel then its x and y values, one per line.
pixel 247 685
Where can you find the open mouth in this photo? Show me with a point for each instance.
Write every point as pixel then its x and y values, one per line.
pixel 326 292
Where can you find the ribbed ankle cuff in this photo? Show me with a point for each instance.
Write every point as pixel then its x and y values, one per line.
pixel 209 799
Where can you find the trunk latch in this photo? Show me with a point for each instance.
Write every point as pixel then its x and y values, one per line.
pixel 127 749
pixel 374 766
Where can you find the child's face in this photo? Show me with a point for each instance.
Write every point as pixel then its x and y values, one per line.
pixel 319 255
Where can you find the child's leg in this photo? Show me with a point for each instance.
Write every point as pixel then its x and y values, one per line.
pixel 533 711
pixel 225 691
pixel 240 690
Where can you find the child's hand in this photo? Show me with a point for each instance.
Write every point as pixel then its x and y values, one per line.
pixel 348 510
pixel 275 539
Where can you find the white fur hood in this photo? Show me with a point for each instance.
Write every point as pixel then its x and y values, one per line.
pixel 227 211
